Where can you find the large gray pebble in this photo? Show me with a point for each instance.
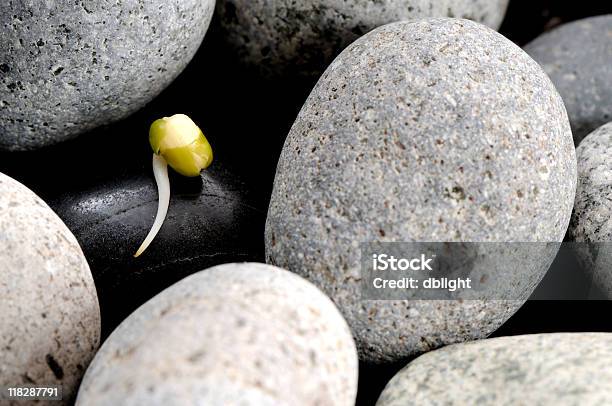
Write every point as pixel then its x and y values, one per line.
pixel 578 58
pixel 68 66
pixel 431 130
pixel 49 315
pixel 591 224
pixel 546 369
pixel 302 37
pixel 248 334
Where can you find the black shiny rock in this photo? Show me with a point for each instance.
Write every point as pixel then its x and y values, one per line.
pixel 210 221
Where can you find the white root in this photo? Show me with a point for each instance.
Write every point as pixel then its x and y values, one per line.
pixel 160 170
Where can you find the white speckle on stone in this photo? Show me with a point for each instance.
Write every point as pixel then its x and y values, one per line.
pixel 50 268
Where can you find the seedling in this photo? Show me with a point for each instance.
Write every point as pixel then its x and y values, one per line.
pixel 176 141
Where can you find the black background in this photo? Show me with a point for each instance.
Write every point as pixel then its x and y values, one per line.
pixel 246 118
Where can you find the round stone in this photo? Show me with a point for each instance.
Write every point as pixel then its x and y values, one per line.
pixel 70 66
pixel 590 225
pixel 283 37
pixel 429 130
pixel 243 333
pixel 544 369
pixel 578 58
pixel 49 315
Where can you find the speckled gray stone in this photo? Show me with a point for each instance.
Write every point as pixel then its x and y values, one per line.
pixel 431 130
pixel 591 219
pixel 68 66
pixel 248 334
pixel 49 315
pixel 302 37
pixel 544 369
pixel 578 58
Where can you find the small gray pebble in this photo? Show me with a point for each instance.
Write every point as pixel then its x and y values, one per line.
pixel 49 314
pixel 544 369
pixel 67 66
pixel 429 130
pixel 591 219
pixel 235 334
pixel 284 37
pixel 578 58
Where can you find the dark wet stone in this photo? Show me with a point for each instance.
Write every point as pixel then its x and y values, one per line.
pixel 211 220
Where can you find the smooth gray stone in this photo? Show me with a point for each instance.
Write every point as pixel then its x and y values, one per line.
pixel 67 66
pixel 544 369
pixel 234 334
pixel 578 58
pixel 49 314
pixel 287 37
pixel 590 226
pixel 430 130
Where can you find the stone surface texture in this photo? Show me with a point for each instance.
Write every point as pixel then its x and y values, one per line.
pixel 545 369
pixel 591 222
pixel 67 67
pixel 578 58
pixel 49 315
pixel 303 37
pixel 247 334
pixel 430 130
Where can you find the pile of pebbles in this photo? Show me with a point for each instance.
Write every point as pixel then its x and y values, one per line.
pixel 425 124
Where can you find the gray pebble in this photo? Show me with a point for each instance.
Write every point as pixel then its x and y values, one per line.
pixel 67 66
pixel 49 314
pixel 590 222
pixel 578 58
pixel 248 334
pixel 545 369
pixel 431 130
pixel 283 37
